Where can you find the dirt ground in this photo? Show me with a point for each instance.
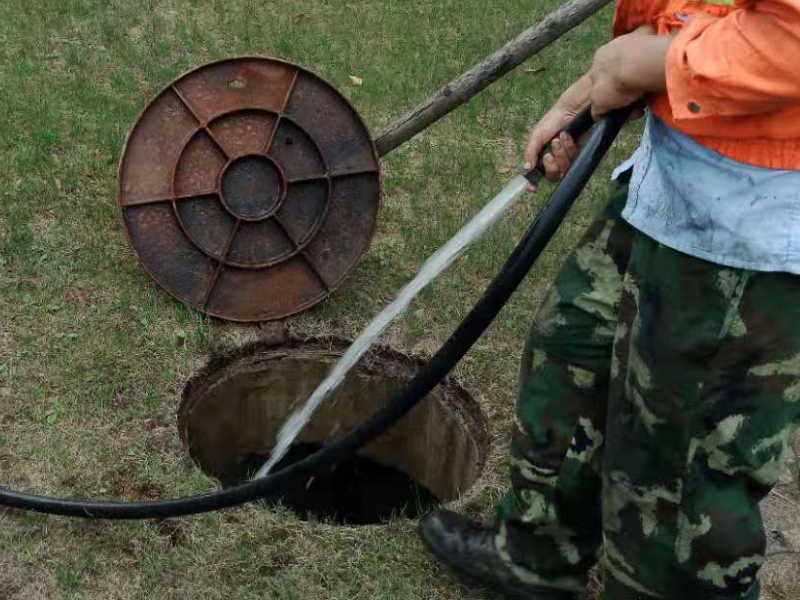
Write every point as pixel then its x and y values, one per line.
pixel 781 512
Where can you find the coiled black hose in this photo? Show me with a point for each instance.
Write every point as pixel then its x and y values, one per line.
pixel 471 328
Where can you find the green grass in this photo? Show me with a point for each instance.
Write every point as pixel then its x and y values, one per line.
pixel 93 356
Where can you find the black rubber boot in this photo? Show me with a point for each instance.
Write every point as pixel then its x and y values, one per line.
pixel 468 548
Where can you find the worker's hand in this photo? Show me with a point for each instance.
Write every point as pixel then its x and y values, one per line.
pixel 624 71
pixel 628 68
pixel 564 148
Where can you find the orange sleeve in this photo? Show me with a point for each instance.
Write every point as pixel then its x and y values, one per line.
pixel 621 18
pixel 629 15
pixel 745 63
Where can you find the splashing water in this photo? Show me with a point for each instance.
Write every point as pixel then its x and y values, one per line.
pixel 432 268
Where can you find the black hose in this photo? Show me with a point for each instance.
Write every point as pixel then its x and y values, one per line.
pixel 467 333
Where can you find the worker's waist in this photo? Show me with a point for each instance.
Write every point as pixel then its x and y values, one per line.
pixel 770 140
pixel 700 203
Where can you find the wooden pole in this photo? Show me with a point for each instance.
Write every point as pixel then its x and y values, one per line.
pixel 489 70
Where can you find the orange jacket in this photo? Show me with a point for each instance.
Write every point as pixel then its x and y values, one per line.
pixel 733 74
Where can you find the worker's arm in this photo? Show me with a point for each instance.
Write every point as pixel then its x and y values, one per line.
pixel 623 71
pixel 745 63
pixel 628 68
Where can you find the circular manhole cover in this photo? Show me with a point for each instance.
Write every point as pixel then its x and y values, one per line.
pixel 249 189
pixel 233 410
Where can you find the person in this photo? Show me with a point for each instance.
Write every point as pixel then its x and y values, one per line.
pixel 660 384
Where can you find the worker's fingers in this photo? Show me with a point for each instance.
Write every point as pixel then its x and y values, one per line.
pixel 558 159
pixel 552 170
pixel 535 144
pixel 570 147
pixel 560 155
pixel 556 151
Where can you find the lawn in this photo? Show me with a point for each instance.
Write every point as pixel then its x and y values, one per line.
pixel 94 357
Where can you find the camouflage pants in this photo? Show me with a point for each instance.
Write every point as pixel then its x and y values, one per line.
pixel 657 399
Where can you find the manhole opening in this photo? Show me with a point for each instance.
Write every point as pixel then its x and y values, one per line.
pixel 357 491
pixel 233 409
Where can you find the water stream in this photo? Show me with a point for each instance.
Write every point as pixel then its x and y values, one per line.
pixel 432 268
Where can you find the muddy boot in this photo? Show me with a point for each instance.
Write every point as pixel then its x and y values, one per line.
pixel 468 548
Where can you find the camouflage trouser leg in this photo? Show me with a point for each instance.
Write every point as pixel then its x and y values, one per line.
pixel 551 521
pixel 659 394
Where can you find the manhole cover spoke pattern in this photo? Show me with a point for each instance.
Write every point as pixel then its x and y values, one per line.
pixel 249 189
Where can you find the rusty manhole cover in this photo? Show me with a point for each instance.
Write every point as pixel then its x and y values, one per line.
pixel 249 189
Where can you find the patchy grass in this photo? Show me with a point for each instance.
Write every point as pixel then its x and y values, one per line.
pixel 93 356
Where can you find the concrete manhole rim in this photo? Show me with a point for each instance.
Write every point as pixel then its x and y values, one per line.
pixel 380 359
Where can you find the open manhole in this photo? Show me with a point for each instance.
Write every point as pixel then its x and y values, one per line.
pixel 233 409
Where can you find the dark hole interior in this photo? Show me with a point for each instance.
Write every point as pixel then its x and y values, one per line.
pixel 357 491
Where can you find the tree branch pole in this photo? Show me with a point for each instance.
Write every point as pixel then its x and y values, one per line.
pixel 489 70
